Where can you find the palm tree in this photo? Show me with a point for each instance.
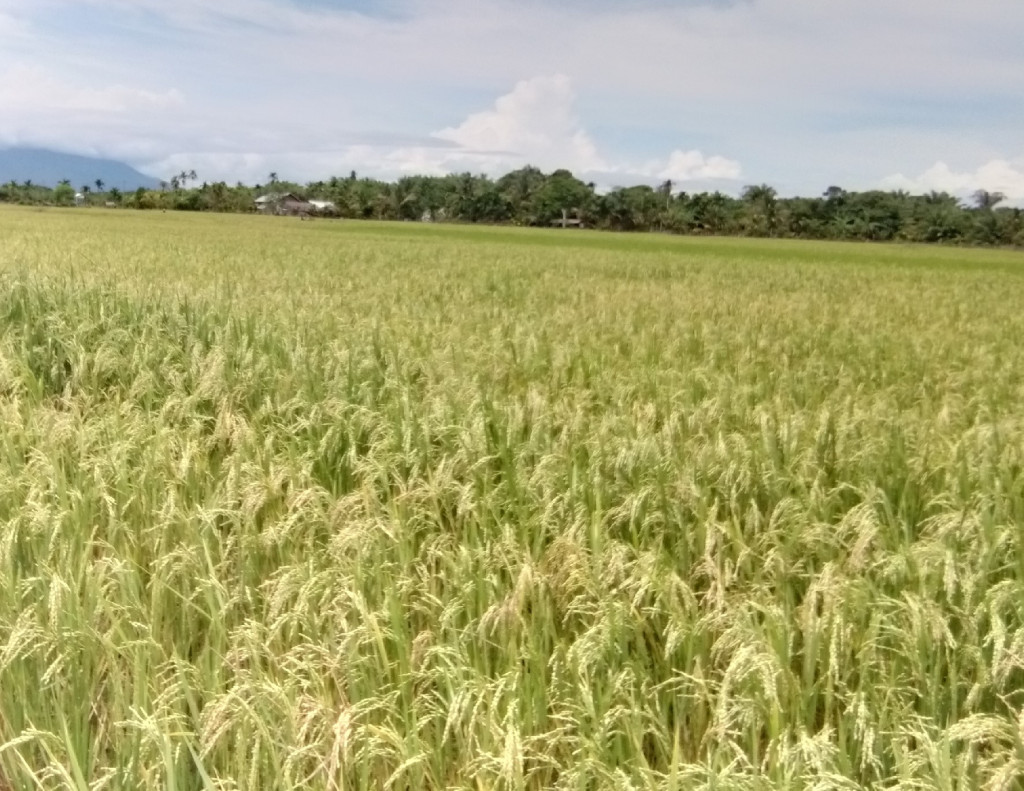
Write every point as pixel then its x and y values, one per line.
pixel 13 192
pixel 99 185
pixel 273 178
pixel 762 200
pixel 665 190
pixel 985 200
pixel 759 193
pixel 834 193
pixel 934 198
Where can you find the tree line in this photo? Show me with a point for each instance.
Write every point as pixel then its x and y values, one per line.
pixel 530 197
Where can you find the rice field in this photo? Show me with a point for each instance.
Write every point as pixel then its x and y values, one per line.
pixel 338 505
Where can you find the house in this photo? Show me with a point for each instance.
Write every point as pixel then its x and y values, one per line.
pixel 79 198
pixel 287 203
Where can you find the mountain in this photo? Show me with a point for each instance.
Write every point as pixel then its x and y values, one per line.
pixel 47 168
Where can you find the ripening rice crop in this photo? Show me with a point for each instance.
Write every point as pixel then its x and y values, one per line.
pixel 354 506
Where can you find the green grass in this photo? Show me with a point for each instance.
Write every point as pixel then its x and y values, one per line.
pixel 345 505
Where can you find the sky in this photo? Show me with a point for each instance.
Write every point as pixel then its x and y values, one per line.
pixel 712 94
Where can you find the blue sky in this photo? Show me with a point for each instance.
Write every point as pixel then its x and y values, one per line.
pixel 801 94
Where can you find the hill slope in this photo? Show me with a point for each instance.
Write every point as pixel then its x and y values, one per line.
pixel 47 168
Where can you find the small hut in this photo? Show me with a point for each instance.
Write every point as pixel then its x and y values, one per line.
pixel 284 204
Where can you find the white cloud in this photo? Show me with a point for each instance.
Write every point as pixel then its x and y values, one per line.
pixel 536 123
pixel 254 167
pixel 767 82
pixel 119 98
pixel 998 175
pixel 693 165
pixel 29 88
pixel 213 166
pixel 776 48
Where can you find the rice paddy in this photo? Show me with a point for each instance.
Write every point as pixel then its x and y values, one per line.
pixel 339 505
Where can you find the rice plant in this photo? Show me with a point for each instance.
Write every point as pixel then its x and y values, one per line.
pixel 354 506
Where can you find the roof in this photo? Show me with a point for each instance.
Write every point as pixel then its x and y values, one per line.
pixel 322 204
pixel 275 197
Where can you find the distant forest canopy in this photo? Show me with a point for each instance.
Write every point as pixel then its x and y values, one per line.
pixel 530 197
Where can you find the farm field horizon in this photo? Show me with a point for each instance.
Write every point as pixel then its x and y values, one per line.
pixel 359 505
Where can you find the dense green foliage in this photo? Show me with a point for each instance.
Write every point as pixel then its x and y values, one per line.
pixel 530 197
pixel 360 506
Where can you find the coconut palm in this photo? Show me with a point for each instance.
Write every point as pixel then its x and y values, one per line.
pixel 986 200
pixel 763 201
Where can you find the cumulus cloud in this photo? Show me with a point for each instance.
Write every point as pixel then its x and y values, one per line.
pixel 535 122
pixel 693 165
pixel 997 175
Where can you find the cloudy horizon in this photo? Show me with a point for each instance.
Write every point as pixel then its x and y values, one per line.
pixel 711 94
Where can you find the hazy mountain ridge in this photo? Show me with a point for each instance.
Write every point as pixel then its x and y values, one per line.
pixel 47 168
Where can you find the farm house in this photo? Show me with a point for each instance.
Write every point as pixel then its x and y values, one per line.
pixel 288 204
